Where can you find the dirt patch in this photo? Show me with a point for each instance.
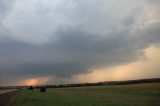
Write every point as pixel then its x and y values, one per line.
pixel 6 97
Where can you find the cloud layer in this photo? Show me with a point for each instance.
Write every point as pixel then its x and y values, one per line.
pixel 64 38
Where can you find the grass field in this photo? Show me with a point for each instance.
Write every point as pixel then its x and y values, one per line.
pixel 114 95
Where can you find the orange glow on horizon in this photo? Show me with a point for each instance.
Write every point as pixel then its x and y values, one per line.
pixel 31 82
pixel 34 81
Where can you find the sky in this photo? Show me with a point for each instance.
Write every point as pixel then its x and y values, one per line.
pixel 77 41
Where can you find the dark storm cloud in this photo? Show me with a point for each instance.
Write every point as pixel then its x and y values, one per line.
pixel 69 44
pixel 74 52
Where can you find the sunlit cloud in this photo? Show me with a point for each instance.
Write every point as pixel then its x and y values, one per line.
pixel 149 67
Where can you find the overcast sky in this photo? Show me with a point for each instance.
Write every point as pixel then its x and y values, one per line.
pixel 72 41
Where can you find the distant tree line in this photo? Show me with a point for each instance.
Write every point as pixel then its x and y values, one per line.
pixel 153 80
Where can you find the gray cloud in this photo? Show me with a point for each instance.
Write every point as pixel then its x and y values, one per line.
pixel 48 40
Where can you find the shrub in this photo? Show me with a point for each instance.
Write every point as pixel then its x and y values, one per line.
pixel 43 89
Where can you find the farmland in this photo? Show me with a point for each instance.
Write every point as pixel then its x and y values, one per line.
pixel 147 94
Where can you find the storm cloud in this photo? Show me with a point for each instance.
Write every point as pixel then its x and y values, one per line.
pixel 67 37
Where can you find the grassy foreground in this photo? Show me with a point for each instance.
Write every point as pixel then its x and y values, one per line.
pixel 115 95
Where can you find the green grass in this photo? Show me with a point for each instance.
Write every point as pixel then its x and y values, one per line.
pixel 115 95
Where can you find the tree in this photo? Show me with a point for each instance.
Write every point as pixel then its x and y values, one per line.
pixel 31 88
